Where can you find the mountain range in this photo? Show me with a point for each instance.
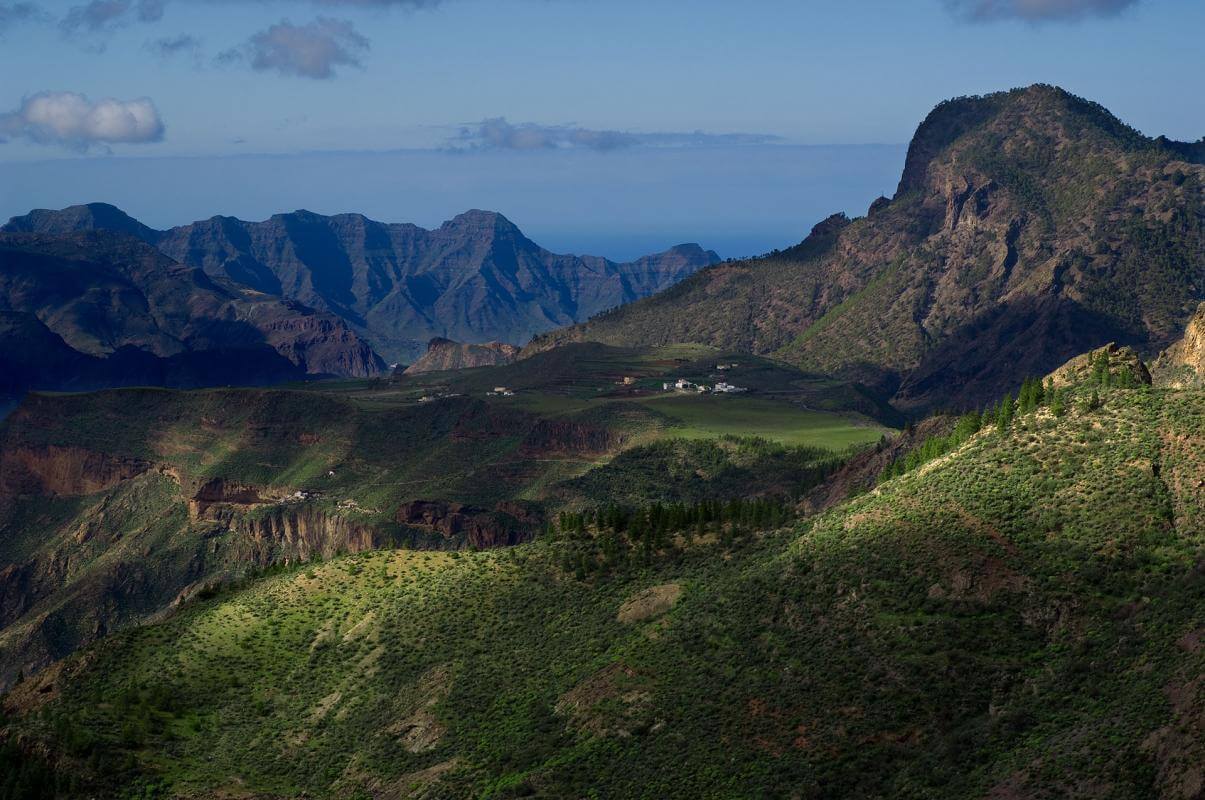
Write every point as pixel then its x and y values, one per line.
pixel 1028 226
pixel 475 279
pixel 94 309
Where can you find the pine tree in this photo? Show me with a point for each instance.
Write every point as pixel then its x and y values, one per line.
pixel 1057 406
pixel 1004 414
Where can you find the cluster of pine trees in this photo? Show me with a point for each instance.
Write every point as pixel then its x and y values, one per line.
pixel 652 521
pixel 1034 394
pixel 609 538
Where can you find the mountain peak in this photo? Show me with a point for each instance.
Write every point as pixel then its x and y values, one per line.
pixel 477 219
pixel 990 121
pixel 90 216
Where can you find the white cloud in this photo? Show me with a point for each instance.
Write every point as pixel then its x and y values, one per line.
pixel 72 120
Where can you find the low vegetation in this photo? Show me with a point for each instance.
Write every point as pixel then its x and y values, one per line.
pixel 1018 618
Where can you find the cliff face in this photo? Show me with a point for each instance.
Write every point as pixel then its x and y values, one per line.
pixel 506 524
pixel 476 278
pixel 1182 365
pixel 444 354
pixel 1029 226
pixel 95 309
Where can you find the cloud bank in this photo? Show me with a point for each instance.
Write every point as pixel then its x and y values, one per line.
pixel 72 120
pixel 314 50
pixel 1036 10
pixel 498 134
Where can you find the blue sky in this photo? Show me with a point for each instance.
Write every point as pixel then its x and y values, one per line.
pixel 593 124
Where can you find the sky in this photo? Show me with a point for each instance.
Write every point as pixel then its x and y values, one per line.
pixel 614 128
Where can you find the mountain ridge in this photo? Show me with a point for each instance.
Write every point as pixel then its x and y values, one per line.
pixel 475 278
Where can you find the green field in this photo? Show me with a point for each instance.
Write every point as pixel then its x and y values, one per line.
pixel 709 416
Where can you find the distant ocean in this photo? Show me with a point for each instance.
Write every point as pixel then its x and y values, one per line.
pixel 737 200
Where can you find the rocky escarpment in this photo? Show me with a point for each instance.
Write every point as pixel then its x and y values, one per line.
pixel 291 533
pixel 63 471
pixel 507 523
pixel 1182 365
pixel 444 354
pixel 274 525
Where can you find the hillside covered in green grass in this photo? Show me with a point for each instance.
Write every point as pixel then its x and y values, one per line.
pixel 1018 617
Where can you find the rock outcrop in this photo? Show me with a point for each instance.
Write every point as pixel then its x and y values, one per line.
pixel 1124 364
pixel 1182 365
pixel 508 523
pixel 444 354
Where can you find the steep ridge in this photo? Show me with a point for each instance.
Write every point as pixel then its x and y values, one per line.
pixel 476 278
pixel 1028 226
pixel 95 309
pixel 1019 618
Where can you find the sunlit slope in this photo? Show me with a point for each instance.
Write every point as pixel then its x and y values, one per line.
pixel 1019 618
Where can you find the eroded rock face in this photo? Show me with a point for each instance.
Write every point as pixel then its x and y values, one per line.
pixel 444 354
pixel 1182 365
pixel 299 533
pixel 508 523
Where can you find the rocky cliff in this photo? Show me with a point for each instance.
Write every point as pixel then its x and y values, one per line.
pixel 476 278
pixel 1183 364
pixel 444 354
